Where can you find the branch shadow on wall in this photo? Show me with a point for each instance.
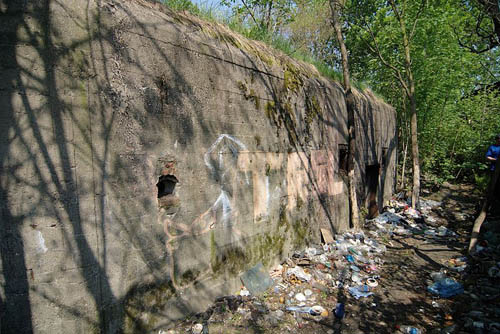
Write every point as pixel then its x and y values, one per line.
pixel 61 181
pixel 42 190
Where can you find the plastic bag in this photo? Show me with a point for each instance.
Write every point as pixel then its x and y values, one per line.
pixel 446 287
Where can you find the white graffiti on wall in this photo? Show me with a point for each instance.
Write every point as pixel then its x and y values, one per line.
pixel 268 196
pixel 231 144
pixel 218 158
pixel 221 159
pixel 224 145
pixel 41 243
pixel 224 202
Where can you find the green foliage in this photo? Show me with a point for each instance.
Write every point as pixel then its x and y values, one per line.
pixel 456 122
pixel 455 140
pixel 482 181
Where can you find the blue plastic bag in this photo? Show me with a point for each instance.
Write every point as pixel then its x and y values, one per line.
pixel 446 287
pixel 360 291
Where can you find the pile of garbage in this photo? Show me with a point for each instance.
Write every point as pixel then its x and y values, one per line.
pixel 303 288
pixel 482 282
pixel 401 219
pixel 350 263
pixel 320 283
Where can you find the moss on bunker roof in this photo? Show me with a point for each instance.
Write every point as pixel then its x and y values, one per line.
pixel 262 51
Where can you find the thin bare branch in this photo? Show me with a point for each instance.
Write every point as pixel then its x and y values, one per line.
pixel 475 50
pixel 395 9
pixel 250 12
pixel 376 51
pixel 487 69
pixel 268 15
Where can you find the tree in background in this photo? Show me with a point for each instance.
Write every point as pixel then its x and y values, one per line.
pixel 311 31
pixel 261 17
pixel 350 101
pixel 481 31
pixel 387 31
pixel 455 119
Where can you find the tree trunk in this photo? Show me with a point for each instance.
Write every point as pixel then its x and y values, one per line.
pixel 490 193
pixel 353 198
pixel 405 137
pixel 405 150
pixel 415 194
pixel 336 6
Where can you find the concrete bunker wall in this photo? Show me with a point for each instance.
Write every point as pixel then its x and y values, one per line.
pixel 147 158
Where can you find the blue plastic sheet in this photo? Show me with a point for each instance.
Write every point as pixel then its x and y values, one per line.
pixel 446 287
pixel 360 291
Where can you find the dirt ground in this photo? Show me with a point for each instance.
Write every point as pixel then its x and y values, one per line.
pixel 401 297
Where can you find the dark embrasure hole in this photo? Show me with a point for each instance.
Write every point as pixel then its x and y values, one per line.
pixel 343 157
pixel 166 185
pixel 372 179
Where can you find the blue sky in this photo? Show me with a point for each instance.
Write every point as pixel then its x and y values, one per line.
pixel 211 4
pixel 207 3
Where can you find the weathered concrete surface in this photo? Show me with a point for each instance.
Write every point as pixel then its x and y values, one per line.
pixel 106 103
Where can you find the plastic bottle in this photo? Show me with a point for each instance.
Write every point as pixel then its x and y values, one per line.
pixel 343 248
pixel 409 329
pixel 353 251
pixel 438 275
pixel 360 259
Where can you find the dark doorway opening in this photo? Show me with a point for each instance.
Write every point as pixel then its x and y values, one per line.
pixel 343 157
pixel 166 185
pixel 372 173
